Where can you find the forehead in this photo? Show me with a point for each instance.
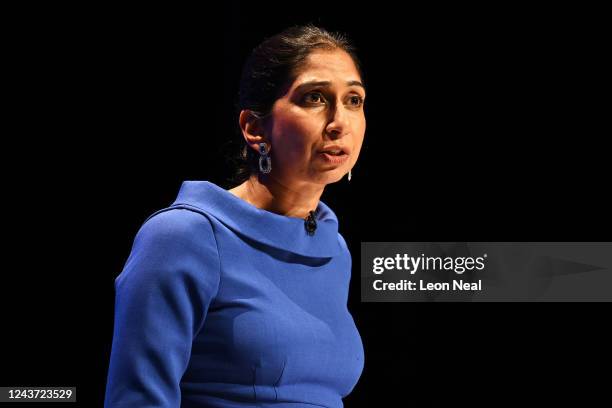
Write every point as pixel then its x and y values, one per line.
pixel 328 65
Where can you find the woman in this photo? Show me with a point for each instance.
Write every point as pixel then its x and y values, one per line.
pixel 238 298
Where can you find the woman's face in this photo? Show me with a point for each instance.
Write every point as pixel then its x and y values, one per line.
pixel 322 110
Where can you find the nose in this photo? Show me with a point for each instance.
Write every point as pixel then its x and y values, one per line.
pixel 338 122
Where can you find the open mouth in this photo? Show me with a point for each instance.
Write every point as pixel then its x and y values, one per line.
pixel 336 157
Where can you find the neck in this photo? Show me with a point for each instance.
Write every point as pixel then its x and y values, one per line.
pixel 288 199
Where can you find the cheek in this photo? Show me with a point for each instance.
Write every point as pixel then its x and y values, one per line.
pixel 295 135
pixel 358 136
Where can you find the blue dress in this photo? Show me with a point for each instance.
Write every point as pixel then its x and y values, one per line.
pixel 223 304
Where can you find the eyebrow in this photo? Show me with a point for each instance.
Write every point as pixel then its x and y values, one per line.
pixel 326 83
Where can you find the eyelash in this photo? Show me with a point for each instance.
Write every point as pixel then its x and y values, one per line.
pixel 360 99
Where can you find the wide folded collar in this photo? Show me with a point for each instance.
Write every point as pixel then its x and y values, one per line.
pixel 275 230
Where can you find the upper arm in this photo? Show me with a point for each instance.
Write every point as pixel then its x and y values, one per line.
pixel 162 298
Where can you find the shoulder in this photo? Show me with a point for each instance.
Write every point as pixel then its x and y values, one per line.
pixel 176 224
pixel 172 245
pixel 176 233
pixel 346 253
pixel 343 244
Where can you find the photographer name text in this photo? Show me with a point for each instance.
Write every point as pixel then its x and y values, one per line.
pixel 404 284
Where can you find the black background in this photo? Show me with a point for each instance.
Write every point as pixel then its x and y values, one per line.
pixel 483 125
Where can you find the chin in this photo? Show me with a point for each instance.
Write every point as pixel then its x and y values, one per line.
pixel 333 177
pixel 329 176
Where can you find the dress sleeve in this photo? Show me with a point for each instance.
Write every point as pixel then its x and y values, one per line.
pixel 161 301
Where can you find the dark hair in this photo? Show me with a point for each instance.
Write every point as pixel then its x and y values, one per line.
pixel 273 65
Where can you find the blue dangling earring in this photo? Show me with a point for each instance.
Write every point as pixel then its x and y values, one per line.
pixel 264 156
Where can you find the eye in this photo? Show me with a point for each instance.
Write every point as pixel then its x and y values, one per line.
pixel 313 98
pixel 356 100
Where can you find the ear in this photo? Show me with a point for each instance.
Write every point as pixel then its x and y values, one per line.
pixel 252 129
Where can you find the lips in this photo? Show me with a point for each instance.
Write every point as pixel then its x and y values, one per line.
pixel 335 150
pixel 334 158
